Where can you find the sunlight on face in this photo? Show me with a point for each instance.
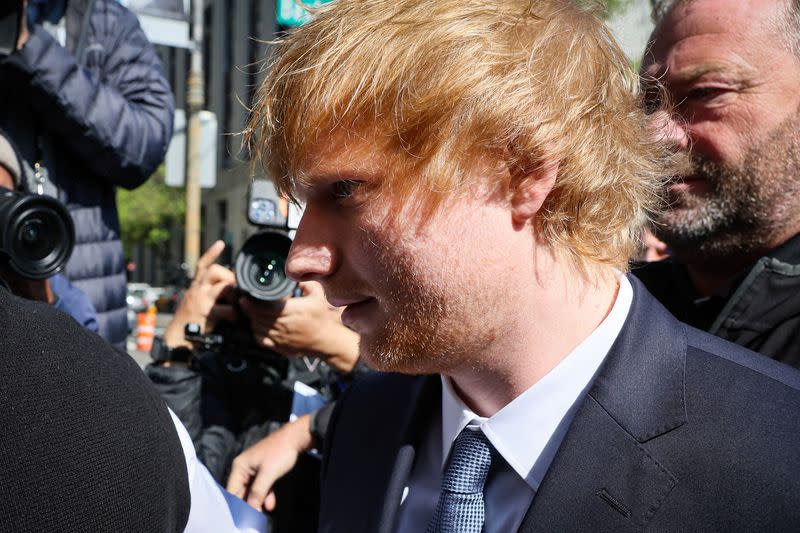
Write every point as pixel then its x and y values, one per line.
pixel 416 288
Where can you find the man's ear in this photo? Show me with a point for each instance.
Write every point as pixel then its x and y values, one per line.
pixel 530 188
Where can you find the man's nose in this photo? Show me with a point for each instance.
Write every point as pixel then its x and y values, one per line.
pixel 675 130
pixel 310 258
pixel 309 263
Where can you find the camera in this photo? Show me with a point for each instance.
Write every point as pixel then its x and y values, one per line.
pixel 10 21
pixel 261 263
pixel 261 275
pixel 36 234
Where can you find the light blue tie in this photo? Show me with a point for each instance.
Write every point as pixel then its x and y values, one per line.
pixel 460 508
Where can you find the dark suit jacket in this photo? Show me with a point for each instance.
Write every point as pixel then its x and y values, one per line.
pixel 680 431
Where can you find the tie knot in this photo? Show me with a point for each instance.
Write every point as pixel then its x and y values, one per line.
pixel 469 463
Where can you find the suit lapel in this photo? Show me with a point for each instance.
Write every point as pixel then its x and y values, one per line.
pixel 416 419
pixel 602 474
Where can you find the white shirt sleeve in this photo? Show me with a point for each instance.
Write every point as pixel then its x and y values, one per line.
pixel 213 508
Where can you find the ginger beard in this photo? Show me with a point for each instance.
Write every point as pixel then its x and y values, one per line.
pixel 747 204
pixel 432 294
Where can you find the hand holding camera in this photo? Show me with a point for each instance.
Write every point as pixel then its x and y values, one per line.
pixel 209 300
pixel 24 30
pixel 291 326
pixel 304 325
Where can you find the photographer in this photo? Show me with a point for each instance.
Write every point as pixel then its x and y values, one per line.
pixel 57 289
pixel 90 110
pixel 228 400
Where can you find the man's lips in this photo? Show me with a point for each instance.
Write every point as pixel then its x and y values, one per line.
pixel 688 183
pixel 344 302
pixel 356 312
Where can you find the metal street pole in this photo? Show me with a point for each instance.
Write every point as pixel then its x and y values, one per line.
pixel 195 100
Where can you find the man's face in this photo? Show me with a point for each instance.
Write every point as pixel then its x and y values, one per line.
pixel 735 86
pixel 425 293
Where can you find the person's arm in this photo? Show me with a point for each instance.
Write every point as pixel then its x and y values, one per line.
pixel 178 383
pixel 213 509
pixel 255 471
pixel 118 122
pixel 305 325
pixel 204 302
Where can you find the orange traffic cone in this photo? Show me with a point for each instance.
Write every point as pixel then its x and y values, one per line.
pixel 145 329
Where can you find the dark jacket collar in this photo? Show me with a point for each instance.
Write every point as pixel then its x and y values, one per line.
pixel 602 474
pixel 788 252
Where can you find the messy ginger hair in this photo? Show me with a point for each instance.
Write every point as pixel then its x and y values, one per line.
pixel 527 81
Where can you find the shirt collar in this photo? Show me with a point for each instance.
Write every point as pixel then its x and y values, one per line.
pixel 521 430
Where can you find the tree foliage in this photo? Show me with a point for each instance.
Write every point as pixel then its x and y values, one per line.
pixel 615 7
pixel 146 214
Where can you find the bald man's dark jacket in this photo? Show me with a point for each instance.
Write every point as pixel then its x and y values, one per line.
pixel 759 309
pixel 86 443
pixel 680 431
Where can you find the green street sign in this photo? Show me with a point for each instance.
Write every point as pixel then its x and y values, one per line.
pixel 289 12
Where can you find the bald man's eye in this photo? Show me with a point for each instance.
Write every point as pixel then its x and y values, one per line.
pixel 704 93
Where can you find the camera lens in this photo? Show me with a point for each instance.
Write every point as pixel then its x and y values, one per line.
pixel 33 239
pixel 260 266
pixel 37 236
pixel 268 271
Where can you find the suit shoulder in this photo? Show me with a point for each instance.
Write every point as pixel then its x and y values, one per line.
pixel 741 362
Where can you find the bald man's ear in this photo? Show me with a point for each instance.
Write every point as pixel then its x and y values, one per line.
pixel 530 188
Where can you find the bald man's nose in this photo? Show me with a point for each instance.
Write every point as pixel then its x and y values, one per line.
pixel 671 128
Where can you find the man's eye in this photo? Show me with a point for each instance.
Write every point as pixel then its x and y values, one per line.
pixel 345 189
pixel 704 93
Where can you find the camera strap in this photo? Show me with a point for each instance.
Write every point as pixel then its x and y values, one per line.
pixel 39 181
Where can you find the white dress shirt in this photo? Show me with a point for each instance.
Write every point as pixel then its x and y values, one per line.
pixel 213 509
pixel 526 433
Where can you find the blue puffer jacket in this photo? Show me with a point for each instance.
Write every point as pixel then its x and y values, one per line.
pixel 97 114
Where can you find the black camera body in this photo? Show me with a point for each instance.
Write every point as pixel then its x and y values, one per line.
pixel 10 22
pixel 261 263
pixel 37 234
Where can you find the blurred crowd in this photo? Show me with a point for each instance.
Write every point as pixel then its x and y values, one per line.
pixel 680 182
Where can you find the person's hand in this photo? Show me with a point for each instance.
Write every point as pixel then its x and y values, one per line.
pixel 255 470
pixel 207 301
pixel 24 31
pixel 305 325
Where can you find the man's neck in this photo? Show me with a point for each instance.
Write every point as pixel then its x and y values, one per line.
pixel 563 309
pixel 708 278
